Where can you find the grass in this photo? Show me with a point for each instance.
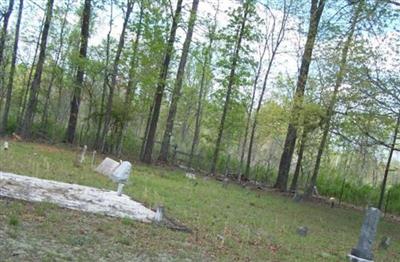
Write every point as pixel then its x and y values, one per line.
pixel 229 223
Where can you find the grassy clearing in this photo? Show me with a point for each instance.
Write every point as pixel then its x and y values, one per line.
pixel 229 223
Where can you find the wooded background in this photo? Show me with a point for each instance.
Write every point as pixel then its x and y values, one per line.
pixel 288 93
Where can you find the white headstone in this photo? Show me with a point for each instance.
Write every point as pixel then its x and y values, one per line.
pixel 5 145
pixel 122 172
pixel 107 167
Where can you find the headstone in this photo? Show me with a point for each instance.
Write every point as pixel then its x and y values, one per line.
pixel 5 145
pixel 302 231
pixel 82 155
pixel 93 158
pixel 159 214
pixel 332 202
pixel 190 175
pixel 385 242
pixel 363 251
pixel 122 172
pixel 107 167
pixel 297 197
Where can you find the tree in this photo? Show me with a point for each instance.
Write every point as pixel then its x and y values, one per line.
pixel 114 73
pixel 3 127
pixel 3 35
pixel 339 79
pixel 274 47
pixel 156 107
pixel 34 88
pixel 178 84
pixel 132 82
pixel 76 98
pixel 240 33
pixel 317 7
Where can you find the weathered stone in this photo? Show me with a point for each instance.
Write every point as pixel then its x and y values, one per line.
pixel 107 167
pixel 302 231
pixel 122 172
pixel 159 216
pixel 385 242
pixel 367 235
pixel 5 145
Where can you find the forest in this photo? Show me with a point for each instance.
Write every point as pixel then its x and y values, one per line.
pixel 297 95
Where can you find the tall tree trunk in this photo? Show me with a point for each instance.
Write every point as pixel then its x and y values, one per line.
pixel 105 82
pixel 317 7
pixel 274 49
pixel 203 91
pixel 329 113
pixel 3 35
pixel 150 136
pixel 250 112
pixel 231 82
pixel 34 89
pixel 178 85
pixel 107 119
pixel 24 98
pixel 76 98
pixel 387 168
pixel 45 114
pixel 3 127
pixel 131 87
pixel 293 185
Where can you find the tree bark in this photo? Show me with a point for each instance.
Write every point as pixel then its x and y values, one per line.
pixel 250 112
pixel 24 98
pixel 35 86
pixel 329 113
pixel 231 80
pixel 387 168
pixel 131 87
pixel 150 136
pixel 293 185
pixel 76 99
pixel 105 83
pixel 107 118
pixel 3 127
pixel 3 35
pixel 178 85
pixel 317 7
pixel 45 114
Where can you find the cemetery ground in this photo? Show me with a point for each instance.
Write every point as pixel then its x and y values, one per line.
pixel 229 223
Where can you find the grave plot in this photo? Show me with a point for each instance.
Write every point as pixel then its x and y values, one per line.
pixel 73 196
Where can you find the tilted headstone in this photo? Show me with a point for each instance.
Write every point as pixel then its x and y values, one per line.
pixel 5 145
pixel 363 251
pixel 107 167
pixel 122 172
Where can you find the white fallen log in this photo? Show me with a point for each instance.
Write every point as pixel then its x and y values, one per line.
pixel 73 196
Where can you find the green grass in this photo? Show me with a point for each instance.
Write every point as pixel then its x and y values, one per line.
pixel 229 223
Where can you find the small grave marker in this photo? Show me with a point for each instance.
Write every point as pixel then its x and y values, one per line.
pixel 302 231
pixel 5 145
pixel 385 242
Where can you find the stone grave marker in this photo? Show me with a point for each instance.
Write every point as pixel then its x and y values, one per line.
pixel 302 231
pixel 385 242
pixel 363 250
pixel 107 167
